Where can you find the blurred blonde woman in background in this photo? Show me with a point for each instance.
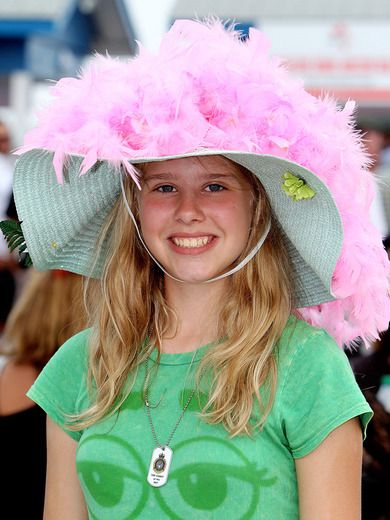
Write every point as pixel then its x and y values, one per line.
pixel 48 311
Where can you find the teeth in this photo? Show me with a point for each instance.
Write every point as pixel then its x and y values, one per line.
pixel 191 242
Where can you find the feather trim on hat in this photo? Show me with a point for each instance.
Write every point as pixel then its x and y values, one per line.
pixel 205 88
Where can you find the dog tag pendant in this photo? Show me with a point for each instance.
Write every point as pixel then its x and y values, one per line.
pixel 159 466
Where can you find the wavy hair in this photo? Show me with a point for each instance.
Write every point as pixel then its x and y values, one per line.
pixel 49 310
pixel 128 302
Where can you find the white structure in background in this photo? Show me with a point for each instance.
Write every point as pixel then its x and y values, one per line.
pixel 341 46
pixel 151 19
pixel 350 58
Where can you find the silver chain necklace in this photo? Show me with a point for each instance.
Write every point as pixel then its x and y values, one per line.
pixel 162 453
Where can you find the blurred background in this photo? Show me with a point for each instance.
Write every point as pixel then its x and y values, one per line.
pixel 337 46
pixel 341 47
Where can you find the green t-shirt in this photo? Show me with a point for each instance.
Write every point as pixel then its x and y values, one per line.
pixel 211 476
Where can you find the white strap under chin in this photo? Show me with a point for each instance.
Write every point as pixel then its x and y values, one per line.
pixel 221 276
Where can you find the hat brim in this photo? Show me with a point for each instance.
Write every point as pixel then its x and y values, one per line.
pixel 62 222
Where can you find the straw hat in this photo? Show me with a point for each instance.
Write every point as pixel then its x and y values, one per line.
pixel 207 92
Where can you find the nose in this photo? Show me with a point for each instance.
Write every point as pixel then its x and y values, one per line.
pixel 189 209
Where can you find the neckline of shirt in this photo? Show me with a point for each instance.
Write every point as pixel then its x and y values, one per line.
pixel 182 358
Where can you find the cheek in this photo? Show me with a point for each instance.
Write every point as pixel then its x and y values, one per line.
pixel 240 216
pixel 152 215
pixel 145 217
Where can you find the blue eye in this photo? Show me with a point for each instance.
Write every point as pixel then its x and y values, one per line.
pixel 214 187
pixel 166 188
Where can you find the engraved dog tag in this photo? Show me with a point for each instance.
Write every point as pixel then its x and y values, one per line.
pixel 159 466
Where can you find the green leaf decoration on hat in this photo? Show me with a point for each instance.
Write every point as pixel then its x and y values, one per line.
pixel 296 188
pixel 14 237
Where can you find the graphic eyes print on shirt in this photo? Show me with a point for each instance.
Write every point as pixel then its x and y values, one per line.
pixel 209 475
pixel 107 484
pixel 118 489
pixel 206 484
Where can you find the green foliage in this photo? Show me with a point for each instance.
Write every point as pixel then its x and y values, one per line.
pixel 14 237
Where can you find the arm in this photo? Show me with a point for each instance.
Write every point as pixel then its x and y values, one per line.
pixel 64 499
pixel 15 380
pixel 329 478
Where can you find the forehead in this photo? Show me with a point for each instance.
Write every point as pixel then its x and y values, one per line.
pixel 202 166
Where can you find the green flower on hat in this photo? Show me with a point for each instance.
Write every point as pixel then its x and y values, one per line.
pixel 296 188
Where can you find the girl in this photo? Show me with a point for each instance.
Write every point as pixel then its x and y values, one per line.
pixel 220 208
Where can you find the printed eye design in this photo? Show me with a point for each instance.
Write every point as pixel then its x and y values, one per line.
pixel 202 479
pixel 195 479
pixel 107 484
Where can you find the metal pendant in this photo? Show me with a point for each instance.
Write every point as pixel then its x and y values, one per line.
pixel 159 466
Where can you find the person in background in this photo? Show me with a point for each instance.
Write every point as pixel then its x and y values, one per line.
pixel 385 155
pixel 48 311
pixel 8 264
pixel 374 142
pixel 370 370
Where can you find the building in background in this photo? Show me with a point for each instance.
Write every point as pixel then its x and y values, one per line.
pixel 41 40
pixel 340 47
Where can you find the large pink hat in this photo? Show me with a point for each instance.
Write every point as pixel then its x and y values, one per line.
pixel 207 91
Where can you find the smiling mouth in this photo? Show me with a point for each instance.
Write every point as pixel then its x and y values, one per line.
pixel 192 243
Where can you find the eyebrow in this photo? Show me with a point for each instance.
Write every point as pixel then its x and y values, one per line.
pixel 171 176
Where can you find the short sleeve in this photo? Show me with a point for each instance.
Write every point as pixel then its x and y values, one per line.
pixel 318 393
pixel 60 389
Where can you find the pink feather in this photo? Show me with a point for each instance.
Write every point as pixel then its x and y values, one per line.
pixel 207 88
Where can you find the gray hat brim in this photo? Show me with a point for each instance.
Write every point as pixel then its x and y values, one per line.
pixel 62 222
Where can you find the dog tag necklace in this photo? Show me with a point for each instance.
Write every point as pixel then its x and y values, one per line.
pixel 162 454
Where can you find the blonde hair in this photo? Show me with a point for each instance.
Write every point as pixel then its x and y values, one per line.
pixel 49 310
pixel 130 303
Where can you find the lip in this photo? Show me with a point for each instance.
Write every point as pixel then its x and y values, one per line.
pixel 191 235
pixel 193 251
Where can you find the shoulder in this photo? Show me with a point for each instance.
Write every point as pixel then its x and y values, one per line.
pixel 308 357
pixel 9 368
pixel 16 379
pixel 316 388
pixel 68 365
pixel 61 388
pixel 23 371
pixel 79 341
pixel 300 341
pixel 75 349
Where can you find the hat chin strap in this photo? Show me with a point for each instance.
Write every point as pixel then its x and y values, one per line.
pixel 239 266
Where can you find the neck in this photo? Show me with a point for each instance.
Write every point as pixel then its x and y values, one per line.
pixel 197 308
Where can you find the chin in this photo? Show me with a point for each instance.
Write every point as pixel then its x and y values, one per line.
pixel 195 277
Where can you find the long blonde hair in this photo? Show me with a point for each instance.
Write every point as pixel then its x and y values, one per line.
pixel 129 302
pixel 49 310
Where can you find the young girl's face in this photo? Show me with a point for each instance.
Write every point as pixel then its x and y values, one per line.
pixel 195 215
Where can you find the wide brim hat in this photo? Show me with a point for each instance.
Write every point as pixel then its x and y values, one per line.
pixel 207 92
pixel 62 223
